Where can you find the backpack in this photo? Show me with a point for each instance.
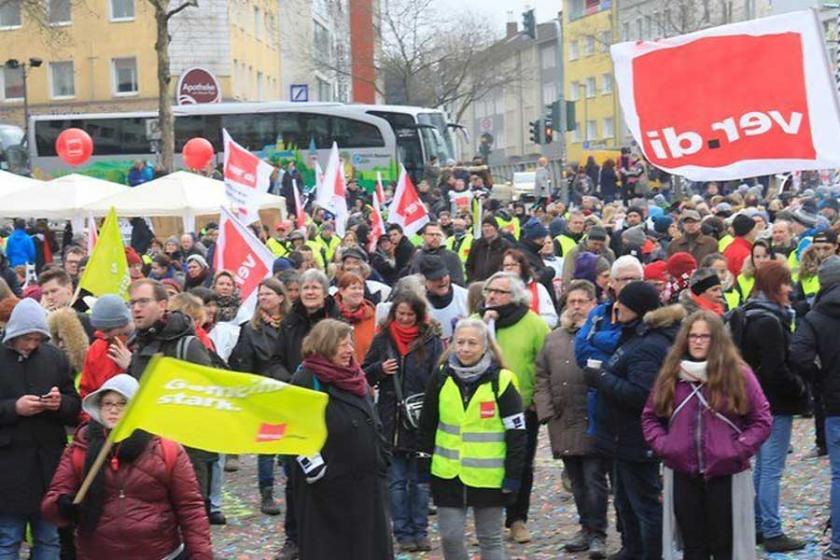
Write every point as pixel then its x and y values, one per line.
pixel 737 320
pixel 169 451
pixel 183 345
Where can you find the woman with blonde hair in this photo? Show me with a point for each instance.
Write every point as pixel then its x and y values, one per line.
pixel 705 418
pixel 227 296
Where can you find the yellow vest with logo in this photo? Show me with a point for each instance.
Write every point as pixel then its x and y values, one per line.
pixel 470 442
pixel 511 226
pixel 566 243
pixel 464 250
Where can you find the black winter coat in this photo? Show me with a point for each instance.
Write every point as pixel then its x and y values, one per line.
pixel 258 351
pixel 814 349
pixel 403 253
pixel 415 369
pixel 343 514
pixel 539 270
pixel 294 328
pixel 626 381
pixel 31 446
pixel 450 259
pixel 765 346
pixel 453 493
pixel 485 258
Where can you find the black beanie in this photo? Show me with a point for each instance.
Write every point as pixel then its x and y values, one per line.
pixel 742 225
pixel 640 297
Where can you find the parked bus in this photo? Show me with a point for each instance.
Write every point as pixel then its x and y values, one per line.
pixel 372 139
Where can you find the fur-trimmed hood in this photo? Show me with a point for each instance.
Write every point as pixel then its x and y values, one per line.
pixel 69 335
pixel 665 317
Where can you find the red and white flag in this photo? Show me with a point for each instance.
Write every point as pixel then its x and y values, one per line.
pixel 92 234
pixel 377 225
pixel 407 210
pixel 754 98
pixel 331 193
pixel 300 215
pixel 242 253
pixel 380 190
pixel 246 178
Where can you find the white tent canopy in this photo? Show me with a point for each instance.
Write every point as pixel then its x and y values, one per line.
pixel 9 183
pixel 178 194
pixel 64 198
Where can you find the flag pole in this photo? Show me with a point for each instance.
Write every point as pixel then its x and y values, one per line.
pixel 94 469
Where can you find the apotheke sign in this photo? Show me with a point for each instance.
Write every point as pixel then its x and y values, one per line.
pixel 198 85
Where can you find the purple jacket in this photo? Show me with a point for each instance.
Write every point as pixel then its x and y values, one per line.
pixel 696 440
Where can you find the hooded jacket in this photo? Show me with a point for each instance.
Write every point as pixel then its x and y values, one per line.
pixel 626 380
pixel 814 349
pixel 20 249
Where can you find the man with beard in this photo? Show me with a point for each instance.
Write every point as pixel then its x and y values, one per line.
pixel 520 334
pixel 433 246
pixel 561 402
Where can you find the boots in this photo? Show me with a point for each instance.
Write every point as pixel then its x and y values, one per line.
pixel 267 504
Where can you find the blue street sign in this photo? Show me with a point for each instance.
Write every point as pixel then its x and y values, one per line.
pixel 299 93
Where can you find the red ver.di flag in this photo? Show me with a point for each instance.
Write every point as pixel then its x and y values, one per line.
pixel 241 252
pixel 739 100
pixel 247 177
pixel 407 209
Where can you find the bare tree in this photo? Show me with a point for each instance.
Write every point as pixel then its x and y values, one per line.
pixel 163 14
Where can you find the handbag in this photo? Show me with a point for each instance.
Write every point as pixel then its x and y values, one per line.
pixel 409 407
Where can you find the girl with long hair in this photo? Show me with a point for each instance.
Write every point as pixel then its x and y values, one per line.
pixel 705 417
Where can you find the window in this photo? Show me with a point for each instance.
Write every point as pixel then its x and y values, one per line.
pixel 10 14
pixel 124 71
pixel 58 12
pixel 575 134
pixel 657 24
pixel 590 87
pixel 12 83
pixel 549 93
pixel 122 136
pixel 591 130
pixel 625 31
pixel 606 41
pixel 573 50
pixel 649 31
pixel 61 80
pixel 324 89
pixel 609 127
pixel 588 45
pixel 606 84
pixel 122 10
pixel 574 92
pixel 547 58
pixel 639 31
pixel 666 22
pixel 260 87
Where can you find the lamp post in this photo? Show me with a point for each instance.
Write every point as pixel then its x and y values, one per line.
pixel 14 63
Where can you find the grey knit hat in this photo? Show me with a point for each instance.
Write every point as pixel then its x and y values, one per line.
pixel 109 312
pixel 27 317
pixel 829 272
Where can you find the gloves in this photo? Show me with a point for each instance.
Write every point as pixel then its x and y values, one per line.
pixel 593 376
pixel 511 486
pixel 67 509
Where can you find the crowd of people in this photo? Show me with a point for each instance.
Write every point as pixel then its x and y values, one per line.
pixel 667 345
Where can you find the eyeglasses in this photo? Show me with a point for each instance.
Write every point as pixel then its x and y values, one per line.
pixel 113 405
pixel 139 301
pixel 626 279
pixel 700 337
pixel 487 291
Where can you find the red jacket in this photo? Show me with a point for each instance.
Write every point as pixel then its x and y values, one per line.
pixel 737 252
pixel 98 367
pixel 158 503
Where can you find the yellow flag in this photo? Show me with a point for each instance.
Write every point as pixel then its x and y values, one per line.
pixel 107 268
pixel 225 411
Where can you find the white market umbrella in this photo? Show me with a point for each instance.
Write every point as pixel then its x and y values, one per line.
pixel 9 183
pixel 65 198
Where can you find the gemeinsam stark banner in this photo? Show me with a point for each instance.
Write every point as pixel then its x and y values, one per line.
pixel 740 100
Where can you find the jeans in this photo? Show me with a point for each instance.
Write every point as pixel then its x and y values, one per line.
pixel 217 469
pixel 703 508
pixel 589 488
pixel 409 499
pixel 637 499
pixel 832 437
pixel 44 536
pixel 488 529
pixel 518 510
pixel 767 477
pixel 265 470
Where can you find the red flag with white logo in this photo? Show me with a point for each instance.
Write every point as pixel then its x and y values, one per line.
pixel 739 100
pixel 331 193
pixel 242 253
pixel 407 210
pixel 246 178
pixel 380 191
pixel 377 225
pixel 300 214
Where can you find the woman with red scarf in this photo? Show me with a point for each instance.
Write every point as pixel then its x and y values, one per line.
pixel 357 311
pixel 401 359
pixel 339 493
pixel 514 261
pixel 704 292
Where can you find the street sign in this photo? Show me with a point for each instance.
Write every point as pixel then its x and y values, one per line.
pixel 299 93
pixel 486 124
pixel 587 144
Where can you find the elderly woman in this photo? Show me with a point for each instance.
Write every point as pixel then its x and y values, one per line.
pixel 514 261
pixel 144 503
pixel 474 428
pixel 198 273
pixel 340 492
pixel 356 310
pixel 227 296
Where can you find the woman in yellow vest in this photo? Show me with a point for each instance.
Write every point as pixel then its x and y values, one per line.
pixel 473 427
pixel 760 253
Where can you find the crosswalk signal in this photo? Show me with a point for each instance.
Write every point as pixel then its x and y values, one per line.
pixel 536 132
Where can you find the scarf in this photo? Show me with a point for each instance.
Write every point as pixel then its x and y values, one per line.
pixel 509 314
pixel 439 302
pixel 468 374
pixel 126 451
pixel 535 295
pixel 269 319
pixel 227 307
pixel 693 372
pixel 403 337
pixel 703 303
pixel 360 314
pixel 350 378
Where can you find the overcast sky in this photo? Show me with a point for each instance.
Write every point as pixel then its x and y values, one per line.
pixel 498 9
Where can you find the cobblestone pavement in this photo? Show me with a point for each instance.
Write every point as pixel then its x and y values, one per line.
pixel 805 497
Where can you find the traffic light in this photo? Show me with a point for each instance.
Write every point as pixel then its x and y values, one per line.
pixel 536 133
pixel 548 131
pixel 552 115
pixel 571 121
pixel 529 23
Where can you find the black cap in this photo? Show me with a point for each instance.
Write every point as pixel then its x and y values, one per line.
pixel 825 236
pixel 742 225
pixel 432 267
pixel 353 253
pixel 640 297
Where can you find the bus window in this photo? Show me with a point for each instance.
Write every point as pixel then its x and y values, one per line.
pixel 315 127
pixel 198 126
pixel 251 131
pixel 289 132
pixel 356 134
pixel 446 151
pixel 132 138
pixel 46 133
pixel 409 149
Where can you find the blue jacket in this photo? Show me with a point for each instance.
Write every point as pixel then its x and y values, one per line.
pixel 20 249
pixel 598 338
pixel 626 381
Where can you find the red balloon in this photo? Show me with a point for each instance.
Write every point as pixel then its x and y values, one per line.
pixel 197 153
pixel 74 146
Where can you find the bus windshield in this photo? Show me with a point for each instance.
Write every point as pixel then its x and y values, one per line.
pixel 439 144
